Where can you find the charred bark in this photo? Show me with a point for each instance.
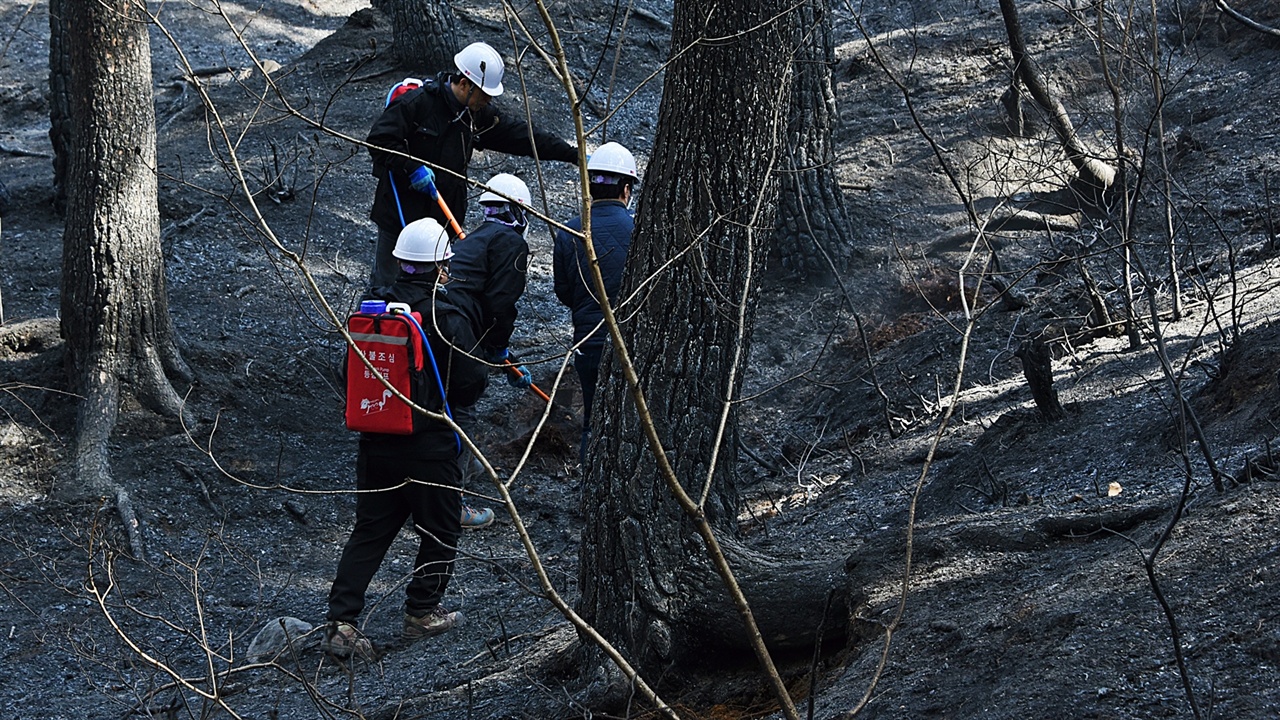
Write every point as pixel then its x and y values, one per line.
pixel 647 583
pixel 424 33
pixel 1037 366
pixel 814 237
pixel 115 316
pixel 59 110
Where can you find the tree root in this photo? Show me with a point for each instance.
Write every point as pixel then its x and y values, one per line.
pixel 124 506
pixel 787 595
pixel 29 336
pixel 21 152
pixel 1001 532
pixel 92 468
pixel 549 659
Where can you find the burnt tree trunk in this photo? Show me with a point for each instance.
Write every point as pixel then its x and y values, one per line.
pixel 115 316
pixel 697 259
pixel 1037 366
pixel 424 33
pixel 59 111
pixel 1092 171
pixel 813 237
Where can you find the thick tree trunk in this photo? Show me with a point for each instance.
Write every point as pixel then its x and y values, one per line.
pixel 813 237
pixel 425 33
pixel 114 308
pixel 702 235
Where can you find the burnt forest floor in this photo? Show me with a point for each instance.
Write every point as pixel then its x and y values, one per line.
pixel 1028 595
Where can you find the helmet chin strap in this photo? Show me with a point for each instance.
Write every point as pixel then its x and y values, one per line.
pixel 507 214
pixel 465 112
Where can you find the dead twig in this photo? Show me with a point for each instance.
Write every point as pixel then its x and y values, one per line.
pixel 646 15
pixel 194 476
pixel 20 152
pixel 17 28
pixel 763 462
pixel 1245 20
pixel 190 221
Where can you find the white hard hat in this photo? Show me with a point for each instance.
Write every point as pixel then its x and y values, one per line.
pixel 612 157
pixel 510 186
pixel 423 241
pixel 482 65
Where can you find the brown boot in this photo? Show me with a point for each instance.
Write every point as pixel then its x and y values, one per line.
pixel 435 622
pixel 342 640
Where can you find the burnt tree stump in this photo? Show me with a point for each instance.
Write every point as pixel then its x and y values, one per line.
pixel 1037 366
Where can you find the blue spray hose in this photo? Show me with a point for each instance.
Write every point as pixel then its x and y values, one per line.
pixel 391 95
pixel 435 369
pixel 396 194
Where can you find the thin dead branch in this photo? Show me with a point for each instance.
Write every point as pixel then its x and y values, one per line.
pixel 1245 20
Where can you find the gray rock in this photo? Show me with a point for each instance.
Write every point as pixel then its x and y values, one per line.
pixel 276 635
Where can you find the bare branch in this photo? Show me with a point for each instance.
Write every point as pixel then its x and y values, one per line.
pixel 1245 20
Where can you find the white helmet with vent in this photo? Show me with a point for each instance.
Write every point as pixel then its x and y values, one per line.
pixel 613 158
pixel 482 65
pixel 509 186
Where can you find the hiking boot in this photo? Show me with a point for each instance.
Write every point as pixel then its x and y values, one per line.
pixel 473 519
pixel 435 622
pixel 342 640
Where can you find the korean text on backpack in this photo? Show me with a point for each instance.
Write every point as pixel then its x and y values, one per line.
pixel 394 345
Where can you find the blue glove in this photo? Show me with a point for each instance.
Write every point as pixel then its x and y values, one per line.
pixel 422 179
pixel 521 381
pixel 496 357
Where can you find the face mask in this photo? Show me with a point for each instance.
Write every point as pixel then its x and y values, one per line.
pixel 509 215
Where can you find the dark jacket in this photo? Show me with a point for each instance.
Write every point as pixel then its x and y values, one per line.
pixel 611 228
pixel 430 125
pixel 452 344
pixel 487 275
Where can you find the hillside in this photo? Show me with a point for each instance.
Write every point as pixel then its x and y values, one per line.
pixel 1028 593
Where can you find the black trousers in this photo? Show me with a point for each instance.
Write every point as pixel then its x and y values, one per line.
pixel 587 363
pixel 434 504
pixel 385 268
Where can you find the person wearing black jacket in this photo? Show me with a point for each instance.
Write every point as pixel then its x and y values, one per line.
pixel 487 276
pixel 423 141
pixel 611 171
pixel 489 269
pixel 411 476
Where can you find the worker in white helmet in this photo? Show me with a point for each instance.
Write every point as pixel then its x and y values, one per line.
pixel 415 476
pixel 612 176
pixel 436 127
pixel 488 274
